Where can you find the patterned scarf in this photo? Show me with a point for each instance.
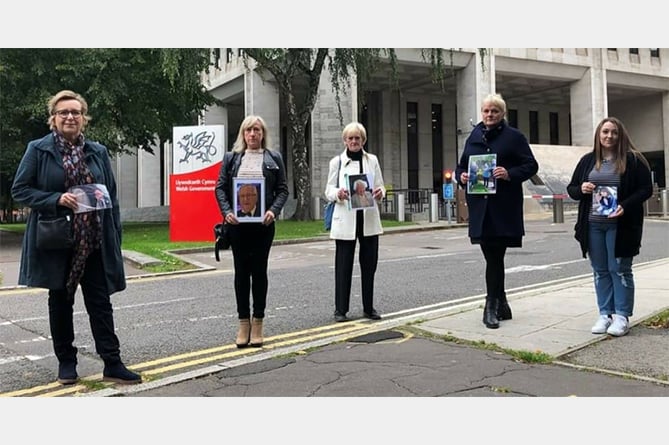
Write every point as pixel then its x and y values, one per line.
pixel 87 225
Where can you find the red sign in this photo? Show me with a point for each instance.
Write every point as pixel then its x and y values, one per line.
pixel 193 207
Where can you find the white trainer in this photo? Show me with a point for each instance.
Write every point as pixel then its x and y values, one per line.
pixel 603 323
pixel 619 327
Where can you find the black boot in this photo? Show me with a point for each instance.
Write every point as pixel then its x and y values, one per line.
pixel 117 372
pixel 490 314
pixel 503 309
pixel 67 372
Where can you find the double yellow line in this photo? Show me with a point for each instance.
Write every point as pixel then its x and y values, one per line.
pixel 167 365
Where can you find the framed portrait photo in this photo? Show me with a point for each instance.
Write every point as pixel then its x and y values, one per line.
pixel 249 199
pixel 360 191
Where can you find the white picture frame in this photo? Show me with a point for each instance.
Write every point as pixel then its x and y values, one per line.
pixel 246 207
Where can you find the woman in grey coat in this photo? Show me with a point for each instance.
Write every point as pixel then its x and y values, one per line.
pixel 49 168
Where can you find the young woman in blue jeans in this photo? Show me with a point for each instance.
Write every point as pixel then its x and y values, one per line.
pixel 611 241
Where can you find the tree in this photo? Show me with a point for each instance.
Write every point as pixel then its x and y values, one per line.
pixel 297 66
pixel 135 96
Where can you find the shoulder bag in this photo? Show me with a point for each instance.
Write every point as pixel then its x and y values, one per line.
pixel 329 207
pixel 54 232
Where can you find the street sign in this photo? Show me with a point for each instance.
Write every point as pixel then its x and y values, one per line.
pixel 448 191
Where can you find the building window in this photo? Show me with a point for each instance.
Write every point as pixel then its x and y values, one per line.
pixel 512 116
pixel 655 52
pixel 534 127
pixel 412 150
pixel 437 148
pixel 217 57
pixel 228 55
pixel 554 129
pixel 634 51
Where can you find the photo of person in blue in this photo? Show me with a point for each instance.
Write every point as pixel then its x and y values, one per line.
pixel 605 201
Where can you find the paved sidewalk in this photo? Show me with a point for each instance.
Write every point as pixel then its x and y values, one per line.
pixel 410 356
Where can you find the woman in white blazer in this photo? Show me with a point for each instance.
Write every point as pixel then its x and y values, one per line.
pixel 349 225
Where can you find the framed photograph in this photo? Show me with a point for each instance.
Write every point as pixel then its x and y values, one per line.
pixel 360 191
pixel 249 199
pixel 91 197
pixel 604 200
pixel 481 181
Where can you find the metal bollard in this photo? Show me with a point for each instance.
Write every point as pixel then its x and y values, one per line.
pixel 558 209
pixel 400 207
pixel 315 207
pixel 434 208
pixel 663 199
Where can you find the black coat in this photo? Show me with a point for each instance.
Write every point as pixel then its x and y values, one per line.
pixel 501 212
pixel 635 188
pixel 274 172
pixel 39 182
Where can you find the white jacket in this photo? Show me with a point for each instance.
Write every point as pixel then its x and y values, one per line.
pixel 343 219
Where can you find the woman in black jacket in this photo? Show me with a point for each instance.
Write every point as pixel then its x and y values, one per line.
pixel 251 159
pixel 496 219
pixel 611 240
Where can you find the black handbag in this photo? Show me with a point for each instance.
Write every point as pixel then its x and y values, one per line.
pixel 54 232
pixel 222 237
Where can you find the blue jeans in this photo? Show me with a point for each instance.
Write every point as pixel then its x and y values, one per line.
pixel 614 282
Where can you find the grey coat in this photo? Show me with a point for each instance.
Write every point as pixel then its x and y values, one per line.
pixel 39 182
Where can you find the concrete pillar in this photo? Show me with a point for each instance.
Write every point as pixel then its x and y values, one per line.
pixel 589 101
pixel 219 116
pixel 262 99
pixel 474 82
pixel 326 127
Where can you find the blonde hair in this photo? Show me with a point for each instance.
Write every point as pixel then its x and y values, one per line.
pixel 67 95
pixel 248 122
pixel 496 100
pixel 355 127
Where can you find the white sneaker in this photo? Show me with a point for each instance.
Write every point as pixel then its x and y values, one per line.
pixel 619 327
pixel 603 322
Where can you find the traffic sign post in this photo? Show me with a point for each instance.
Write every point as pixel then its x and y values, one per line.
pixel 447 192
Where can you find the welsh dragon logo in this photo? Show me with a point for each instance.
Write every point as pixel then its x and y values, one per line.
pixel 199 146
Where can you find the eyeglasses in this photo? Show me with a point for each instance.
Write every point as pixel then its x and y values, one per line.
pixel 65 113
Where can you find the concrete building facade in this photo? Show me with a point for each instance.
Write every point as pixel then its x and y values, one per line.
pixel 417 128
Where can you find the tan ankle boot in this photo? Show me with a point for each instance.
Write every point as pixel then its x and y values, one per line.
pixel 244 333
pixel 256 332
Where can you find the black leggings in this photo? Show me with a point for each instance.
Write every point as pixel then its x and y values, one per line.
pixel 250 243
pixel 494 270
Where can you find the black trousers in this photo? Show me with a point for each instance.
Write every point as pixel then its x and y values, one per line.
pixel 250 244
pixel 100 315
pixel 494 269
pixel 368 257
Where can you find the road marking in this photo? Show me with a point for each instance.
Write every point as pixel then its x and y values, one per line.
pixel 527 268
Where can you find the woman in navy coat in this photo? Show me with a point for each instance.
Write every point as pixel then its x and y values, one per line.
pixel 49 167
pixel 496 220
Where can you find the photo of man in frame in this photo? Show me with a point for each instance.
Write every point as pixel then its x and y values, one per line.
pixel 249 200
